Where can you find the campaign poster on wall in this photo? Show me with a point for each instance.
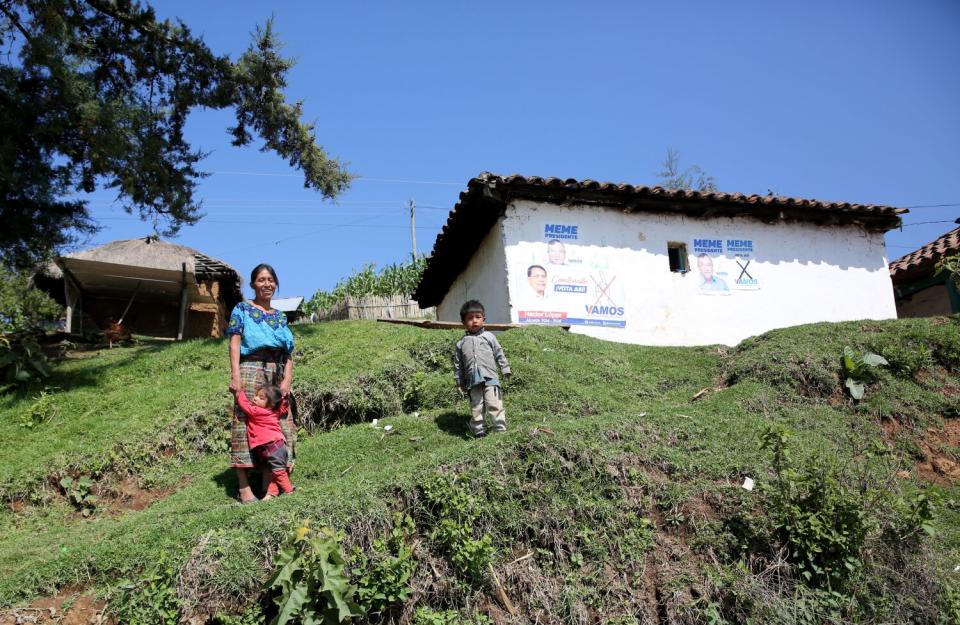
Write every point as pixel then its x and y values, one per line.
pixel 563 282
pixel 724 265
pixel 711 271
pixel 741 253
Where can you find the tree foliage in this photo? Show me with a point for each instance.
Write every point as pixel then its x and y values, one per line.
pixel 23 307
pixel 96 93
pixel 950 265
pixel 693 178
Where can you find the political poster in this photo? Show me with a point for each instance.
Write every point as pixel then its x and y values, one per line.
pixel 724 265
pixel 710 271
pixel 741 253
pixel 562 282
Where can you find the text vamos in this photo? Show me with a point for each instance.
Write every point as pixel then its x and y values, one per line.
pixel 616 311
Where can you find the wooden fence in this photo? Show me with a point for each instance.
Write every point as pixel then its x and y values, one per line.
pixel 376 307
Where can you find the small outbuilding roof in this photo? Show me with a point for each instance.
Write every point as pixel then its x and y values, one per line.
pixel 116 268
pixel 922 263
pixel 488 195
pixel 287 304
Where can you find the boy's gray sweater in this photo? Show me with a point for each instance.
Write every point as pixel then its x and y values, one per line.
pixel 480 351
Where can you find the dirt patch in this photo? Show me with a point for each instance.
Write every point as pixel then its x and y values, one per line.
pixel 941 447
pixel 70 607
pixel 890 427
pixel 129 495
pixel 838 397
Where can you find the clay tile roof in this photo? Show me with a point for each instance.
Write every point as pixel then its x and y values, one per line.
pixel 487 196
pixel 922 263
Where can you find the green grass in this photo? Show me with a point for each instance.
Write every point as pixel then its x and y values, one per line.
pixel 625 443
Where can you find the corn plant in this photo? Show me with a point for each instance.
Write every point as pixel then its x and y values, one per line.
pixel 394 279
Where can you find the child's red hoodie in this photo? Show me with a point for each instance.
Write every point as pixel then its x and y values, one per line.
pixel 263 424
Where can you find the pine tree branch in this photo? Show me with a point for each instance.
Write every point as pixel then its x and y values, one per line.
pixel 16 22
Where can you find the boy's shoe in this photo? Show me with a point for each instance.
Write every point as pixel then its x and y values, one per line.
pixel 500 431
pixel 480 434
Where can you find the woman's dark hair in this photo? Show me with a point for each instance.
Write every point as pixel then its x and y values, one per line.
pixel 471 306
pixel 263 267
pixel 274 395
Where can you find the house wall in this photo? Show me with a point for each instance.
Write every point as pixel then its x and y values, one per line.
pixel 484 279
pixel 617 284
pixel 929 302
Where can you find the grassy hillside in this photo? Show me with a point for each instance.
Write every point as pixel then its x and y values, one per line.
pixel 615 498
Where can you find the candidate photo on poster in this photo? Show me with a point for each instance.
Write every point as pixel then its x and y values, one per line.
pixel 709 283
pixel 537 280
pixel 556 253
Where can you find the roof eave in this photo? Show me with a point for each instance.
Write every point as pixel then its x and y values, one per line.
pixel 487 196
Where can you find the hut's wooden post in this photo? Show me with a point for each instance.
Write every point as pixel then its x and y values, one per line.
pixel 183 305
pixel 73 295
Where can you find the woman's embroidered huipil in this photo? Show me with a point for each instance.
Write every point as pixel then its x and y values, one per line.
pixel 259 329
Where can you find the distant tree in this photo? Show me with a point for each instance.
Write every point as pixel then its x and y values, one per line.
pixel 23 307
pixel 950 265
pixel 693 178
pixel 96 93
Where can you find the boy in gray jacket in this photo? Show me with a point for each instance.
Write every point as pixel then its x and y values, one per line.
pixel 475 364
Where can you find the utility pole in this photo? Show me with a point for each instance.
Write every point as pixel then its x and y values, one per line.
pixel 413 230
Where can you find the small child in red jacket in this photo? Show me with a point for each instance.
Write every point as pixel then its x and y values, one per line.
pixel 265 436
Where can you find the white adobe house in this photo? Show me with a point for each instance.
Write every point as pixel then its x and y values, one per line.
pixel 655 266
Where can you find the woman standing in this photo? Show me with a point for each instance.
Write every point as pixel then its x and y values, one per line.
pixel 261 346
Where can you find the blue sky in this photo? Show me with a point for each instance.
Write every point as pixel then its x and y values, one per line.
pixel 855 101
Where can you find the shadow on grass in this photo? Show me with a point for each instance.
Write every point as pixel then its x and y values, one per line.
pixel 227 480
pixel 453 423
pixel 67 381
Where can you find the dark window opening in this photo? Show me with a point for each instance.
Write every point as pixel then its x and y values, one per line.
pixel 677 253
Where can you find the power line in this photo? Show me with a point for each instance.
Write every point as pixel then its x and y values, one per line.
pixel 933 205
pixel 921 223
pixel 358 178
pixel 307 210
pixel 283 223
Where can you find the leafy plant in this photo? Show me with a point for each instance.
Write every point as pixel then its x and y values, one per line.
pixel 384 580
pixel 413 393
pixel 310 579
pixel 951 603
pixel 150 600
pixel 253 615
pixel 429 616
pixel 859 370
pixel 24 307
pixel 950 265
pixel 918 512
pixel 79 493
pixel 43 408
pixel 822 522
pixel 21 360
pixel 907 358
pixel 456 513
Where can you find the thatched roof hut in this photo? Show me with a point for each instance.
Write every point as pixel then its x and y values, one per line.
pixel 155 287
